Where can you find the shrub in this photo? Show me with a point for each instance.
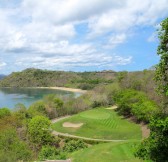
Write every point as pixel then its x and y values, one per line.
pixel 4 112
pixel 74 145
pixel 156 145
pixel 12 148
pixel 131 102
pixel 38 131
pixel 37 108
pixel 51 153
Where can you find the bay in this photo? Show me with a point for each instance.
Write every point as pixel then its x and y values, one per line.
pixel 9 97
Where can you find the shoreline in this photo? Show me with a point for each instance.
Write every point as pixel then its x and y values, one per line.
pixel 62 88
pixel 56 88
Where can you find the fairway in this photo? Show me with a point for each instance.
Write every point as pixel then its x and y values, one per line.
pixel 107 152
pixel 100 123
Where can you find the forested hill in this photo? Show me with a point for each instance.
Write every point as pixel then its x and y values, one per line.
pixel 45 78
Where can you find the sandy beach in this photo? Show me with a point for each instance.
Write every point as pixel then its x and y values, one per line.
pixel 63 89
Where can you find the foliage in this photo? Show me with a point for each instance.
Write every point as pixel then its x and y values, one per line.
pixel 131 102
pixel 38 131
pixel 155 147
pixel 37 108
pixel 4 112
pixel 44 78
pixel 21 111
pixel 140 81
pixel 51 153
pixel 161 75
pixel 11 121
pixel 12 148
pixel 53 106
pixel 74 145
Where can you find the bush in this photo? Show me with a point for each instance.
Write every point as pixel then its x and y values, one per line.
pixel 74 145
pixel 4 112
pixel 155 147
pixel 51 153
pixel 37 108
pixel 131 102
pixel 38 131
pixel 12 148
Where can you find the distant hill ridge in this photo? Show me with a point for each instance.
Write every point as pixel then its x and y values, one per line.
pixel 45 78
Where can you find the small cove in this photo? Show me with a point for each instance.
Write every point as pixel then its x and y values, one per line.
pixel 9 97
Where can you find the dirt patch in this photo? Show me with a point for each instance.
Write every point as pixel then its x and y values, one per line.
pixel 144 127
pixel 131 119
pixel 112 108
pixel 72 125
pixel 145 130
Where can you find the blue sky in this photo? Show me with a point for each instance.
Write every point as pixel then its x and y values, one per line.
pixel 79 35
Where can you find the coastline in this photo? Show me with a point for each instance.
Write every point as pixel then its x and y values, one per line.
pixel 61 88
pixel 56 88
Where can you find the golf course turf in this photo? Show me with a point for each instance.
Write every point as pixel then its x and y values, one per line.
pixel 100 123
pixel 107 152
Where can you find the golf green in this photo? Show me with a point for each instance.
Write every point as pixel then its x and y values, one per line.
pixel 100 123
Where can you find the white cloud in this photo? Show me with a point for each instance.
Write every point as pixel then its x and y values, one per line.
pixel 115 40
pixel 2 64
pixel 63 11
pixel 134 13
pixel 45 30
pixel 78 60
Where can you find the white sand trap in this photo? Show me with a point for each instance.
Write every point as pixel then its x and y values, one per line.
pixel 112 108
pixel 72 125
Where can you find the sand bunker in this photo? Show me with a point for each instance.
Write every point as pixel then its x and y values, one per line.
pixel 112 108
pixel 72 125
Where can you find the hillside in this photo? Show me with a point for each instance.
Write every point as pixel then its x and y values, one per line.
pixel 45 78
pixel 138 80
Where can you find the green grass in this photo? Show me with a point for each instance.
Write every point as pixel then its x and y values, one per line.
pixel 101 123
pixel 107 152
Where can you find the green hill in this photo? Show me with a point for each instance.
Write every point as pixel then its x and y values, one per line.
pixel 138 80
pixel 45 78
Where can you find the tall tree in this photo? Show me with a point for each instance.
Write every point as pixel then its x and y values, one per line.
pixel 155 147
pixel 161 75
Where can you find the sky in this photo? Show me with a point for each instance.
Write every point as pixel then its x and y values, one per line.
pixel 80 35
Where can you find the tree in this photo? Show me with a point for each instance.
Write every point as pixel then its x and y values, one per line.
pixel 161 75
pixel 38 131
pixel 37 109
pixel 155 147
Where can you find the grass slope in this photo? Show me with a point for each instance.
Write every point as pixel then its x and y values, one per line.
pixel 100 123
pixel 107 152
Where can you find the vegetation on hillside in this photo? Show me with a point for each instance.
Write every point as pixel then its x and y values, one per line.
pixel 45 78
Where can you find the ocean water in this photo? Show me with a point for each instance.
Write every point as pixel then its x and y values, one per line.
pixel 9 97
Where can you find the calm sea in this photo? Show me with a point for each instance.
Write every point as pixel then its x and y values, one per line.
pixel 9 97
